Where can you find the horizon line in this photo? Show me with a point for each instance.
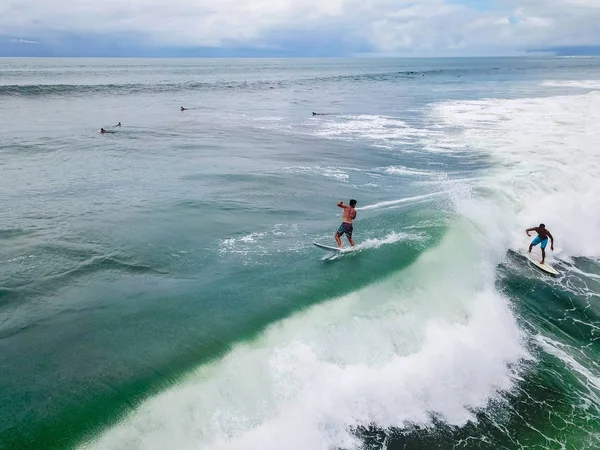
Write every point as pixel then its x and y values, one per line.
pixel 360 56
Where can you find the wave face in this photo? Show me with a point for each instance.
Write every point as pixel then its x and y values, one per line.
pixel 163 283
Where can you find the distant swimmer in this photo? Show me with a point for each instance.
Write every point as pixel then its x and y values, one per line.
pixel 183 109
pixel 118 125
pixel 346 226
pixel 102 130
pixel 541 238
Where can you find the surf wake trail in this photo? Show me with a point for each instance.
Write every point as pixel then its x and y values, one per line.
pixel 401 201
pixel 435 341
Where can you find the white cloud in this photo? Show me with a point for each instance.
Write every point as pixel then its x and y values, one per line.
pixel 404 26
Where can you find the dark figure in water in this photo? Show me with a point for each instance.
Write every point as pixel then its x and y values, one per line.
pixel 541 238
pixel 183 109
pixel 102 130
pixel 118 125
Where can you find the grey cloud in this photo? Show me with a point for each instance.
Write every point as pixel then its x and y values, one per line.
pixel 388 26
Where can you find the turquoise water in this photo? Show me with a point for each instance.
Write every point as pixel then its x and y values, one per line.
pixel 159 286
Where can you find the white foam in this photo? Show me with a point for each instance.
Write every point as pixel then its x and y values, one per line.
pixel 339 174
pixel 403 170
pixel 384 131
pixel 592 382
pixel 261 243
pixel 236 244
pixel 547 163
pixel 390 238
pixel 585 84
pixel 406 200
pixel 578 271
pixel 268 119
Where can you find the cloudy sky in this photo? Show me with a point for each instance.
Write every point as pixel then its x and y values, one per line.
pixel 296 27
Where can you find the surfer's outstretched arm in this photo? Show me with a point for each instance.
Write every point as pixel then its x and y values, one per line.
pixel 528 230
pixel 341 204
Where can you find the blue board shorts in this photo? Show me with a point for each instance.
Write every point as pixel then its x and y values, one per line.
pixel 345 228
pixel 537 240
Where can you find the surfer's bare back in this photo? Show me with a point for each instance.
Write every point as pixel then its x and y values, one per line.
pixel 346 226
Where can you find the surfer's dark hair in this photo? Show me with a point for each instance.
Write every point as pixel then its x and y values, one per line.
pixel 542 225
pixel 352 202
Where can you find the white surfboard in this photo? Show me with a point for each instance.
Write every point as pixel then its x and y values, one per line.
pixel 334 249
pixel 535 260
pixel 329 248
pixel 334 252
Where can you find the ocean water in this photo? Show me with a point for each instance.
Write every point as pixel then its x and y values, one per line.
pixel 159 287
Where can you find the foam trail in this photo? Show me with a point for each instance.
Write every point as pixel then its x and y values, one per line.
pixel 403 170
pixel 389 239
pixel 578 271
pixel 553 348
pixel 408 200
pixel 374 243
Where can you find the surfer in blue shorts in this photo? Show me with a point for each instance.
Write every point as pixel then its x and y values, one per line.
pixel 346 226
pixel 542 238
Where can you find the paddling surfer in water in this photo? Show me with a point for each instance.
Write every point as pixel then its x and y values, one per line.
pixel 541 238
pixel 346 226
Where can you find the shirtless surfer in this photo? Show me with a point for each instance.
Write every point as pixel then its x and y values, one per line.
pixel 346 226
pixel 541 238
